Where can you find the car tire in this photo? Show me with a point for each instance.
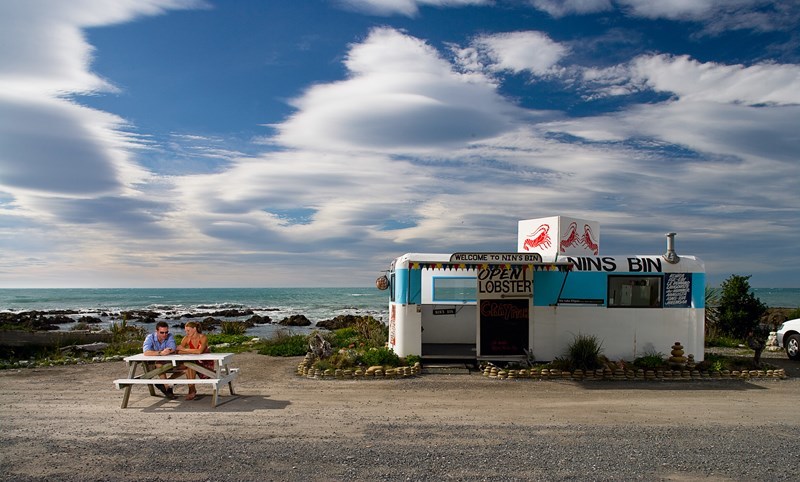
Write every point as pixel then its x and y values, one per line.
pixel 793 347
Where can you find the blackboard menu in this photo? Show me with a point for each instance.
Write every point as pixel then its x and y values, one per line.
pixel 677 290
pixel 504 327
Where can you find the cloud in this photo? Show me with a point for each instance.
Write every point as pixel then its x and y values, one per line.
pixel 721 15
pixel 401 96
pixel 764 83
pixel 82 152
pixel 520 51
pixel 409 8
pixel 716 15
pixel 50 54
pixel 561 8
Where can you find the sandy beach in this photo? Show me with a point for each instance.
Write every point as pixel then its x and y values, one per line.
pixel 65 423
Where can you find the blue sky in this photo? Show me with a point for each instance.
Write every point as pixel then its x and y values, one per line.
pixel 182 143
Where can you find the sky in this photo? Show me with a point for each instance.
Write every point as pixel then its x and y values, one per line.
pixel 308 143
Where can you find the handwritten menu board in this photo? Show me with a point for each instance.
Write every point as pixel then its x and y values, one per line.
pixel 677 290
pixel 503 327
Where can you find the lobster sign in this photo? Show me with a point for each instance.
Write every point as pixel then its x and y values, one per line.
pixel 559 235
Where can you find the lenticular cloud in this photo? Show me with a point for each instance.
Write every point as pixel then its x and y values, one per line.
pixel 401 96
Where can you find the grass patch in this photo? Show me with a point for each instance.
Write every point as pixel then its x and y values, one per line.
pixel 723 341
pixel 650 361
pixel 284 343
pixel 233 328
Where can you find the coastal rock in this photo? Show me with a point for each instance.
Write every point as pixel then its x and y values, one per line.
pixel 232 313
pixel 346 321
pixel 341 321
pixel 60 320
pixel 89 320
pixel 295 320
pixel 143 316
pixel 209 324
pixel 89 348
pixel 258 320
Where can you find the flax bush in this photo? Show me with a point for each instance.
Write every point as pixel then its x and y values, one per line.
pixel 232 328
pixel 584 352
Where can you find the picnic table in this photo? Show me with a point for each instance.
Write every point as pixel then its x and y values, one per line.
pixel 171 366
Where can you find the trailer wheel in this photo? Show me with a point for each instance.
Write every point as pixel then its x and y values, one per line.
pixel 793 347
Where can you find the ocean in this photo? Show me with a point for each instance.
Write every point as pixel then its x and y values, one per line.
pixel 316 304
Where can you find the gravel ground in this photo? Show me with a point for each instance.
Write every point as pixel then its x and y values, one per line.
pixel 64 423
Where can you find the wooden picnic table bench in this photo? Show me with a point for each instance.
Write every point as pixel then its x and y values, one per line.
pixel 154 366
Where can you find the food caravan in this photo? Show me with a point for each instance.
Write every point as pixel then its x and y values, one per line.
pixel 534 302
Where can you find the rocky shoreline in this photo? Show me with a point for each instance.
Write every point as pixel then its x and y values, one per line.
pixel 53 320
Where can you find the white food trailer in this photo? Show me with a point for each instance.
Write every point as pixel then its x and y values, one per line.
pixel 503 306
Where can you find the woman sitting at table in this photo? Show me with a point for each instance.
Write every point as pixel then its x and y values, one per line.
pixel 193 343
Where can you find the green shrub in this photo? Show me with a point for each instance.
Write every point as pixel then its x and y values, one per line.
pixel 343 337
pixel 563 363
pixel 81 326
pixel 233 328
pixel 125 339
pixel 714 363
pixel 372 332
pixel 410 360
pixel 584 352
pixel 739 309
pixel 231 339
pixel 712 312
pixel 650 361
pixel 723 341
pixel 284 343
pixel 379 356
pixel 323 365
pixel 795 313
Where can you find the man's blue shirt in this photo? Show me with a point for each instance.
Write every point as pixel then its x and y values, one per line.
pixel 151 343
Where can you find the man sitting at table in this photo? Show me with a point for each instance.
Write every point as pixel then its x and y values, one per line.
pixel 158 343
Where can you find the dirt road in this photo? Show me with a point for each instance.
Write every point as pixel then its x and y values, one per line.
pixel 64 423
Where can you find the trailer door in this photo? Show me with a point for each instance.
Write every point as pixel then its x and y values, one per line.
pixel 504 297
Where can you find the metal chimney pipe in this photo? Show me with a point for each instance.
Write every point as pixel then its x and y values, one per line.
pixel 671 256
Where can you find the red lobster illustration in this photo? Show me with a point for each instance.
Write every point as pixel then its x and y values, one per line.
pixel 572 238
pixel 540 237
pixel 588 241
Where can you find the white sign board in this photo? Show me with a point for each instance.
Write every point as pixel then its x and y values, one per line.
pixel 559 235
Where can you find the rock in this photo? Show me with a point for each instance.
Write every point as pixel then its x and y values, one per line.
pixel 89 320
pixel 295 320
pixel 258 320
pixel 319 346
pixel 232 313
pixel 143 316
pixel 341 321
pixel 90 348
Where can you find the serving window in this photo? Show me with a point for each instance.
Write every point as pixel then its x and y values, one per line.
pixel 625 291
pixel 454 289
